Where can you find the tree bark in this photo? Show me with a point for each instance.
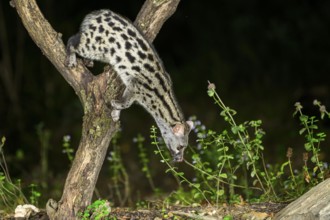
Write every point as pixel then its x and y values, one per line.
pixel 313 205
pixel 94 92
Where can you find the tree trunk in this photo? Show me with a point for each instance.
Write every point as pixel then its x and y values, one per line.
pixel 94 92
pixel 97 131
pixel 315 204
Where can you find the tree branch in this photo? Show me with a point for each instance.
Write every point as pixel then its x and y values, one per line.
pixel 49 41
pixel 153 15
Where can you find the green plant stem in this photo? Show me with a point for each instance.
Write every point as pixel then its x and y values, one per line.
pixel 267 179
pixel 310 136
pixel 213 177
pixel 232 122
pixel 291 172
pixel 171 168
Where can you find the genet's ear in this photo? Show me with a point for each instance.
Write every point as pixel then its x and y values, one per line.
pixel 178 130
pixel 191 125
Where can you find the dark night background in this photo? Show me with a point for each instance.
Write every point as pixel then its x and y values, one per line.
pixel 263 56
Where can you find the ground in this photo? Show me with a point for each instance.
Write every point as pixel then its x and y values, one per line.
pixel 259 211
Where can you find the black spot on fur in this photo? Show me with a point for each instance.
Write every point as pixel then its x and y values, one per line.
pixel 118 59
pixel 98 38
pixel 136 68
pixel 124 36
pixel 130 32
pixel 99 19
pixel 142 44
pixel 107 19
pixel 142 55
pixel 112 39
pixel 149 68
pixel 150 57
pixel 122 67
pixel 128 45
pixel 92 27
pixel 117 29
pixel 118 45
pixel 112 51
pixel 111 24
pixel 101 29
pixel 120 20
pixel 130 57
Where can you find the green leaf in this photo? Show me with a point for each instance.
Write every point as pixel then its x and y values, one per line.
pixel 196 195
pixel 253 173
pixel 308 146
pixel 303 118
pixel 301 131
pixel 223 175
pixel 314 159
pixel 220 192
pixel 228 217
pixel 197 185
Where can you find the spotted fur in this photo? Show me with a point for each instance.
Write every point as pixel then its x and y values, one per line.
pixel 108 37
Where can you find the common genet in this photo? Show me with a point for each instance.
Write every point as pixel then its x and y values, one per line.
pixel 108 37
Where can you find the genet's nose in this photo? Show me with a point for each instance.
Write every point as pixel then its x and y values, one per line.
pixel 178 158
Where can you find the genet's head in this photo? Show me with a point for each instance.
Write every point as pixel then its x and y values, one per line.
pixel 176 139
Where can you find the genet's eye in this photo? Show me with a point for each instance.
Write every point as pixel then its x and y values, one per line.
pixel 180 147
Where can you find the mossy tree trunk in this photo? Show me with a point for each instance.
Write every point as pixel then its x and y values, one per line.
pixel 94 92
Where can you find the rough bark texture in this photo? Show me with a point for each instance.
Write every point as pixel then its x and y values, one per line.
pixel 153 14
pixel 94 92
pixel 315 204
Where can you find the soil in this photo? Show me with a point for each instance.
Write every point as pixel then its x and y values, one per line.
pixel 258 211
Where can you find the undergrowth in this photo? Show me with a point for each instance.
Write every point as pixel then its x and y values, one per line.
pixel 11 193
pixel 229 165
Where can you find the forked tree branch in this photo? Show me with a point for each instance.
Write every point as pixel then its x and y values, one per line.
pixel 95 92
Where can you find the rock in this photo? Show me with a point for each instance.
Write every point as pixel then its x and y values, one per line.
pixel 25 211
pixel 313 205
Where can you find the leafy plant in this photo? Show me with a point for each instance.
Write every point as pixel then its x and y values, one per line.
pixel 119 174
pixel 99 209
pixel 229 165
pixel 67 149
pixel 11 193
pixel 34 194
pixel 144 160
pixel 313 138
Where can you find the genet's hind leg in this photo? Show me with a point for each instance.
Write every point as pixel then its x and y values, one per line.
pixel 73 42
pixel 88 62
pixel 124 102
